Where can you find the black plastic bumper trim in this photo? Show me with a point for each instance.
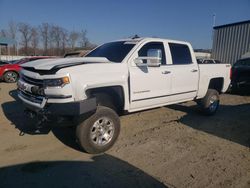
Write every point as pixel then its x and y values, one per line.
pixel 58 96
pixel 71 108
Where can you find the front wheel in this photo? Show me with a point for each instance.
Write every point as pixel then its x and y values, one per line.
pixel 99 132
pixel 10 77
pixel 210 103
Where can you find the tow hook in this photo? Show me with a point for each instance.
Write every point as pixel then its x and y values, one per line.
pixel 30 114
pixel 40 119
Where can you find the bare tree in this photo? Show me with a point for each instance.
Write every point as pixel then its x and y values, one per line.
pixel 34 39
pixel 56 36
pixel 45 31
pixel 51 42
pixel 64 39
pixel 25 31
pixel 3 33
pixel 54 39
pixel 13 34
pixel 84 41
pixel 73 38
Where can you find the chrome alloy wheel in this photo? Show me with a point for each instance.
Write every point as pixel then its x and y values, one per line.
pixel 213 103
pixel 10 77
pixel 102 131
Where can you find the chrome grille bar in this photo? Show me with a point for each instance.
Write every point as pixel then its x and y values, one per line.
pixel 30 97
pixel 32 81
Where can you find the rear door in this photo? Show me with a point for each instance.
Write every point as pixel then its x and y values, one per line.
pixel 185 72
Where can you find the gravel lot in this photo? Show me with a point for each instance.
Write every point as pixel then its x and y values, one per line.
pixel 173 146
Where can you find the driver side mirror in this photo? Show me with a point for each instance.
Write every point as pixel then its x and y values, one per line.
pixel 151 61
pixel 153 58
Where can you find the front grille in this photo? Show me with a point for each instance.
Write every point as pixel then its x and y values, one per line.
pixel 32 81
pixel 30 97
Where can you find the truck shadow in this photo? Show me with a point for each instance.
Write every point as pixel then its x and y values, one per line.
pixel 245 91
pixel 230 122
pixel 14 112
pixel 102 171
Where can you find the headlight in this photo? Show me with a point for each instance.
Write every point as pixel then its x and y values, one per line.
pixel 58 82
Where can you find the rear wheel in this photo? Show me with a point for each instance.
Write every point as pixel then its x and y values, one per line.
pixel 10 77
pixel 99 132
pixel 210 103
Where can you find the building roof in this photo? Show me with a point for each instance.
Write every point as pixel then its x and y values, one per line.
pixel 232 24
pixel 6 41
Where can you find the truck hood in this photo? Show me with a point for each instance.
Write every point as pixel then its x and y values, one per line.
pixel 48 64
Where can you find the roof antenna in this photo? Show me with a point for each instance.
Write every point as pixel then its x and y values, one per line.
pixel 135 37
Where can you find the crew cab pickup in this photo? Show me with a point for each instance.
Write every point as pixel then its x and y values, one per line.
pixel 122 76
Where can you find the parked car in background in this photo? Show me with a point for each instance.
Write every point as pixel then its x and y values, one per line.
pixel 240 74
pixel 80 53
pixel 208 61
pixel 9 72
pixel 3 63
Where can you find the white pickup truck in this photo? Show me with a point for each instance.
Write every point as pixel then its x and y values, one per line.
pixel 121 76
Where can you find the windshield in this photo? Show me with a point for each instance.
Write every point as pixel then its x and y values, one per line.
pixel 20 61
pixel 3 62
pixel 15 62
pixel 113 51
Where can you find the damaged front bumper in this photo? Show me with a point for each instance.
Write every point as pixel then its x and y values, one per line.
pixel 40 105
pixel 59 113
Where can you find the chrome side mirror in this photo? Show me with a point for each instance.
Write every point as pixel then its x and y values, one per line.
pixel 151 61
pixel 139 62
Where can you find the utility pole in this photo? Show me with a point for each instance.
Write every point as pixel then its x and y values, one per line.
pixel 212 36
pixel 214 19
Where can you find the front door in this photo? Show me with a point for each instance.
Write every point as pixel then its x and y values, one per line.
pixel 149 85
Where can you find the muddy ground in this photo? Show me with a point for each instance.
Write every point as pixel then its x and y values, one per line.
pixel 172 146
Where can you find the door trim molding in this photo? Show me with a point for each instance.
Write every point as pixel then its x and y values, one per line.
pixel 163 96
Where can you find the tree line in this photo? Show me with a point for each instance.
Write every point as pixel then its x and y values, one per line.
pixel 44 39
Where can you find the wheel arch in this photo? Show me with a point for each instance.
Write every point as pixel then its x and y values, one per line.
pixel 216 84
pixel 10 70
pixel 116 94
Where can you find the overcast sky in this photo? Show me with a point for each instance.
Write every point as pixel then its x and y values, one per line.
pixel 107 20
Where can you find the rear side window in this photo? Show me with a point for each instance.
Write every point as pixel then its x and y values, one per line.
pixel 180 54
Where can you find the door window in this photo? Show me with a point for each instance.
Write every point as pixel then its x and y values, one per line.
pixel 180 54
pixel 153 46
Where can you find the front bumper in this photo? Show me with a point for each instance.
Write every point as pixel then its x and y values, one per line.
pixel 40 106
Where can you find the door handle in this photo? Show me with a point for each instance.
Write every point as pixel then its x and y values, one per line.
pixel 194 70
pixel 166 72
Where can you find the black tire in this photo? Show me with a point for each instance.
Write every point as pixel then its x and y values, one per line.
pixel 210 103
pixel 10 76
pixel 99 132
